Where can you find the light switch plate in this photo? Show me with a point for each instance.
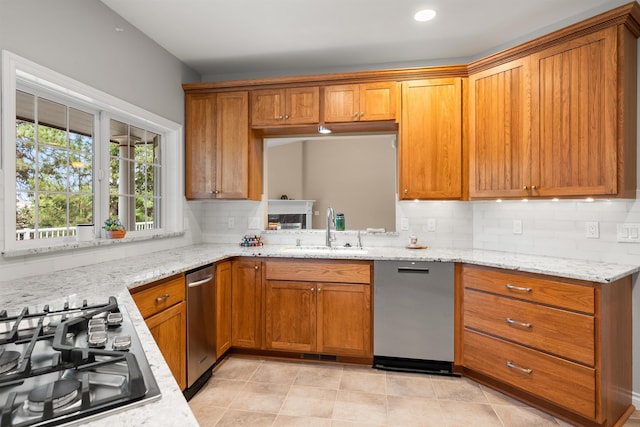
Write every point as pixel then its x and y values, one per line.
pixel 231 221
pixel 404 224
pixel 592 230
pixel 628 233
pixel 431 224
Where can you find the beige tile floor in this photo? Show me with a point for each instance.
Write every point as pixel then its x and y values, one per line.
pixel 256 393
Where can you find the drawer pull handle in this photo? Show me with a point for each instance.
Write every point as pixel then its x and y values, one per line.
pixel 517 288
pixel 163 298
pixel 514 366
pixel 514 322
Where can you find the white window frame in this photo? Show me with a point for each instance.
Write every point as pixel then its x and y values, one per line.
pixel 18 71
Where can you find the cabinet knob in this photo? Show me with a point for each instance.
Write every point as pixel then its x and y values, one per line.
pixel 312 289
pixel 406 190
pixel 361 113
pixel 256 267
pixel 355 114
pixel 163 298
pixel 280 117
pixel 533 187
pixel 525 188
pixel 286 117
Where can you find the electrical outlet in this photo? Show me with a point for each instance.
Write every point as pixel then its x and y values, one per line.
pixel 517 226
pixel 592 230
pixel 231 222
pixel 404 224
pixel 431 224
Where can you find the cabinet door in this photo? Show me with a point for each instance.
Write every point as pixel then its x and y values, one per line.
pixel 499 131
pixel 169 329
pixel 223 308
pixel 302 106
pixel 574 117
pixel 267 107
pixel 246 307
pixel 430 148
pixel 200 145
pixel 341 103
pixel 290 316
pixel 377 101
pixel 232 137
pixel 344 319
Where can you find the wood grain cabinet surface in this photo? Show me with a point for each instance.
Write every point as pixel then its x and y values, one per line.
pixel 559 122
pixel 278 107
pixel 430 146
pixel 163 306
pixel 360 102
pixel 318 307
pixel 246 303
pixel 218 146
pixel 223 308
pixel 560 344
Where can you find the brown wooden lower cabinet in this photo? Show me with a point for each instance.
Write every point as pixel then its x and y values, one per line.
pixel 246 303
pixel 223 308
pixel 563 345
pixel 318 306
pixel 163 306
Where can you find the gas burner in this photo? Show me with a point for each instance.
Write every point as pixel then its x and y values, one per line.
pixel 8 360
pixel 60 393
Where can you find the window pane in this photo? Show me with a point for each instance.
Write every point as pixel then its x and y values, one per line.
pixel 25 212
pixel 25 165
pixel 80 210
pixel 52 122
pixel 81 173
pixel 52 210
pixel 80 130
pixel 52 167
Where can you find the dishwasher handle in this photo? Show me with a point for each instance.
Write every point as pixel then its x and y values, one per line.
pixel 200 282
pixel 422 270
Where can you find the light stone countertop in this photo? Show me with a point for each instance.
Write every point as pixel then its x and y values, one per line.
pixel 97 282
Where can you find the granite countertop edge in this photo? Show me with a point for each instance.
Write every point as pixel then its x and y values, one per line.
pixel 117 279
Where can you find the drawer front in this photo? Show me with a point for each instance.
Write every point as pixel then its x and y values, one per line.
pixel 545 291
pixel 157 298
pixel 319 271
pixel 561 382
pixel 563 333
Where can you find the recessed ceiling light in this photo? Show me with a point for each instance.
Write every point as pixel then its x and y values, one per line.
pixel 424 15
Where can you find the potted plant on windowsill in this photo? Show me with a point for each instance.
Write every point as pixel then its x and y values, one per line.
pixel 113 229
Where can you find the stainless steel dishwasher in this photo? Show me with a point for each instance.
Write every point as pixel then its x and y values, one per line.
pixel 201 327
pixel 413 316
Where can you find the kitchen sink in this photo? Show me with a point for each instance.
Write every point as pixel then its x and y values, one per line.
pixel 321 250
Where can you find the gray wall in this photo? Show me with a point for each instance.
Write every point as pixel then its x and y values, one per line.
pixel 77 38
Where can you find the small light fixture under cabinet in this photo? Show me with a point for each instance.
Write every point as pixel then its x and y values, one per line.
pixel 323 130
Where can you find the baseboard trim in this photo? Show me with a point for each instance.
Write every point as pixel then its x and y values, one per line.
pixel 635 399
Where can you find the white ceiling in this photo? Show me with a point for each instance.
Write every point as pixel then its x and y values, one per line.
pixel 258 38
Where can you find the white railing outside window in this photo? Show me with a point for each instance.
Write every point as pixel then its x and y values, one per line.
pixel 46 233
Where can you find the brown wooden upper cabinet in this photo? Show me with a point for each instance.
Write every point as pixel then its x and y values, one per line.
pixel 556 123
pixel 217 145
pixel 360 102
pixel 430 148
pixel 278 107
pixel 500 130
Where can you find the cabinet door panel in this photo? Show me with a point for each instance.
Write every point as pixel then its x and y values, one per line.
pixel 200 145
pixel 378 101
pixel 302 106
pixel 246 298
pixel 290 313
pixel 267 107
pixel 223 308
pixel 341 103
pixel 574 120
pixel 232 136
pixel 499 128
pixel 344 319
pixel 169 330
pixel 431 139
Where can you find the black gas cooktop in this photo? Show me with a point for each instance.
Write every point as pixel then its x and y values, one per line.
pixel 66 365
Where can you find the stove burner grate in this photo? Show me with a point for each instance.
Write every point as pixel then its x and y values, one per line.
pixel 8 360
pixel 60 393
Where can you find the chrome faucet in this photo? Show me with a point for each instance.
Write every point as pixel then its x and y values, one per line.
pixel 330 219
